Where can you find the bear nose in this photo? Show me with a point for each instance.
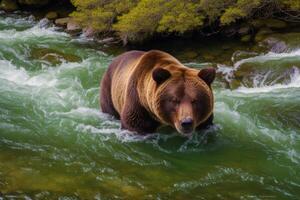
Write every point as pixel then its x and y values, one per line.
pixel 187 123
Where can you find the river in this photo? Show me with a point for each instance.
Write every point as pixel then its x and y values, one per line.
pixel 55 143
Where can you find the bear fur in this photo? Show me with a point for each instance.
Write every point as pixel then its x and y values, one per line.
pixel 148 89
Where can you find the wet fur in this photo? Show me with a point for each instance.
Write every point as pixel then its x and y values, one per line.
pixel 128 90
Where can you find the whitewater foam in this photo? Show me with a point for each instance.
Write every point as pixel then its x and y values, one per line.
pixel 20 76
pixel 294 83
pixel 267 57
pixel 41 29
pixel 12 21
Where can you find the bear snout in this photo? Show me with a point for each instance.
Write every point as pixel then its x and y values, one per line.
pixel 187 123
pixel 186 126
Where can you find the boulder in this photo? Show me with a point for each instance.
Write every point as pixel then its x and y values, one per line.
pixel 33 2
pixel 9 5
pixel 270 23
pixel 246 38
pixel 73 26
pixel 257 23
pixel 230 31
pixel 226 47
pixel 275 23
pixel 240 55
pixel 274 45
pixel 62 21
pixel 51 15
pixel 262 33
pixel 107 40
pixel 208 57
pixel 52 57
pixel 89 32
pixel 190 54
pixel 244 30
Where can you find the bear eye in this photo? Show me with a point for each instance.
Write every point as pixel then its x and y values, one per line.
pixel 174 100
pixel 194 101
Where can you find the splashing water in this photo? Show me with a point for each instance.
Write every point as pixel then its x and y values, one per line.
pixel 55 142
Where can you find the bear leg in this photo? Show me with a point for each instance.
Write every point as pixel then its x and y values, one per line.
pixel 136 118
pixel 105 97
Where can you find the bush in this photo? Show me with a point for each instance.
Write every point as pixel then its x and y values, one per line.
pixel 139 19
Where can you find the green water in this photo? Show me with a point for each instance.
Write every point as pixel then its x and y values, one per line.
pixel 56 144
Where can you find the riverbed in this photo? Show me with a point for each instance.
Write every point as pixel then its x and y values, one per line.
pixel 55 143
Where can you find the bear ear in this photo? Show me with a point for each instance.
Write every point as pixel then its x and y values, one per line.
pixel 160 75
pixel 207 74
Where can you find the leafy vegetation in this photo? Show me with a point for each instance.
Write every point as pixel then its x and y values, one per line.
pixel 139 19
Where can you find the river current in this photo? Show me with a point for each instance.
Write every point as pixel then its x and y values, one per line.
pixel 55 143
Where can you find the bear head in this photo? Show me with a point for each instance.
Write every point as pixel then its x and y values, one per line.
pixel 183 97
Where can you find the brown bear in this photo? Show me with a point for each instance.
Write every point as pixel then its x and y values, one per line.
pixel 148 89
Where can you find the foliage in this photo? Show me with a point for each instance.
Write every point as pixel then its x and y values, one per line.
pixel 100 14
pixel 293 4
pixel 151 16
pixel 242 8
pixel 139 19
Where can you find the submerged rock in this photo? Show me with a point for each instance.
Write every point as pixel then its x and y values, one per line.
pixel 51 15
pixel 190 54
pixel 262 33
pixel 208 56
pixel 263 70
pixel 52 56
pixel 246 38
pixel 278 43
pixel 9 5
pixel 291 40
pixel 240 55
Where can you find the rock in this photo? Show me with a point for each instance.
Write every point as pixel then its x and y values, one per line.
pixel 62 21
pixel 292 40
pixel 73 26
pixel 261 34
pixel 89 32
pixel 51 15
pixel 189 54
pixel 107 40
pixel 52 57
pixel 244 30
pixel 262 71
pixel 275 23
pixel 234 84
pixel 246 38
pixel 240 55
pixel 270 23
pixel 132 191
pixel 258 23
pixel 9 5
pixel 230 31
pixel 33 2
pixel 275 45
pixel 208 57
pixel 225 47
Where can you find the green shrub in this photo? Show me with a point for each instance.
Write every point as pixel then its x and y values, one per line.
pixel 139 19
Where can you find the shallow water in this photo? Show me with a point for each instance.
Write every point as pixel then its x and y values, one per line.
pixel 56 144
